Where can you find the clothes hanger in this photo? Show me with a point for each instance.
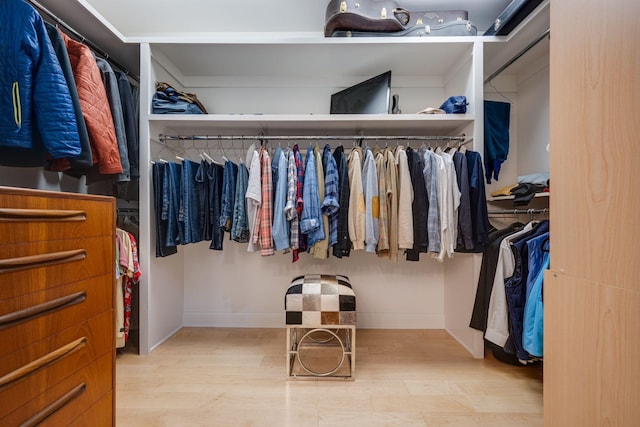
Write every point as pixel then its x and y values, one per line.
pixel 499 93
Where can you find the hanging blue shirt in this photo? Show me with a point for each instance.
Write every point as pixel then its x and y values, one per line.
pixel 311 222
pixel 330 205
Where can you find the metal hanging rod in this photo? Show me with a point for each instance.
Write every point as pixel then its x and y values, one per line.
pixel 519 212
pixel 164 138
pixel 518 55
pixel 83 39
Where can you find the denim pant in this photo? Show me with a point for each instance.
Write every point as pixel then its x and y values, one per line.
pixel 162 249
pixel 171 203
pixel 215 176
pixel 202 186
pixel 163 104
pixel 190 203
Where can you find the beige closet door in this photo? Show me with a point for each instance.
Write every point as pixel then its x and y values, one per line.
pixel 592 293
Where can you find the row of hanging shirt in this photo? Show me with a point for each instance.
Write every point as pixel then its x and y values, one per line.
pixel 72 112
pixel 378 200
pixel 508 307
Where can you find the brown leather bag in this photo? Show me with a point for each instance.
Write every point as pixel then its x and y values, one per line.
pixel 365 15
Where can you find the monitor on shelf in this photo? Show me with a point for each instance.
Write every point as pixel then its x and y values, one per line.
pixel 368 97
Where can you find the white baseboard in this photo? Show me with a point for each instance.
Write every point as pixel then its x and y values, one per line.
pixel 276 320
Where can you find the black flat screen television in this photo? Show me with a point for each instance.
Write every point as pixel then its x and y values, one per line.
pixel 369 97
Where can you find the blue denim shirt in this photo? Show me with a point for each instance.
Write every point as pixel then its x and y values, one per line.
pixel 330 205
pixel 228 195
pixel 311 223
pixel 280 227
pixel 240 228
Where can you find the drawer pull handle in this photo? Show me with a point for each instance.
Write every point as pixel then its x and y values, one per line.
pixel 26 314
pixel 33 261
pixel 24 215
pixel 54 406
pixel 45 360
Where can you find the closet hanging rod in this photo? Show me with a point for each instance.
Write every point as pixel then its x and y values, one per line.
pixel 519 212
pixel 518 55
pixel 83 39
pixel 164 138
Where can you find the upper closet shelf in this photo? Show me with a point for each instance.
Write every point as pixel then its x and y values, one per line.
pixel 318 59
pixel 391 124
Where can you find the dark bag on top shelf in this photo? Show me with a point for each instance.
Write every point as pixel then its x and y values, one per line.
pixel 423 24
pixel 365 15
pixel 453 28
pixel 167 100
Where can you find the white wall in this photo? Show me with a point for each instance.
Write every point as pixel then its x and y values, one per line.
pixel 38 178
pixel 234 288
pixel 533 122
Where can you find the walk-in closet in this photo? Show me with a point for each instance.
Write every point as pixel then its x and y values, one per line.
pixel 530 324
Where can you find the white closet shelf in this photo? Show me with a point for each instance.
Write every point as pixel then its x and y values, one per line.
pixel 420 124
pixel 315 57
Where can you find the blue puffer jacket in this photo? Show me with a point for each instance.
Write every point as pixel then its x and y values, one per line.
pixel 33 92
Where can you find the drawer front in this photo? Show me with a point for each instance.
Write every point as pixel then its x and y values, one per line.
pixel 33 370
pixel 34 218
pixel 36 316
pixel 87 392
pixel 34 267
pixel 101 414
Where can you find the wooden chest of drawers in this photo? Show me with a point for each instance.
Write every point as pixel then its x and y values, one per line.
pixel 57 290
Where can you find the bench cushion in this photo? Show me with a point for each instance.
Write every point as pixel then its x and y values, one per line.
pixel 320 300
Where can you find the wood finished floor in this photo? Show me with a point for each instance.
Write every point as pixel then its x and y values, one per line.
pixel 236 377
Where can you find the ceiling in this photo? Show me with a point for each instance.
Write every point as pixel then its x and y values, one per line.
pixel 124 20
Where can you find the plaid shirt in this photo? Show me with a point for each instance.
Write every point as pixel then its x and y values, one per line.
pixel 262 232
pixel 431 182
pixel 330 204
pixel 311 221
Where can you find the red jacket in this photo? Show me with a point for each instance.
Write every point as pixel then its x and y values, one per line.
pixel 95 107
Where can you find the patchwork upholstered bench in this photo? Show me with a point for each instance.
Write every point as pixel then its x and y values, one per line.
pixel 321 327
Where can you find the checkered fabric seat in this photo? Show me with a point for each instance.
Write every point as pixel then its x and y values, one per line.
pixel 316 300
pixel 320 311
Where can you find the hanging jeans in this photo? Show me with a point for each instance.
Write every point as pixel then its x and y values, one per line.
pixel 171 203
pixel 162 249
pixel 215 176
pixel 189 203
pixel 202 186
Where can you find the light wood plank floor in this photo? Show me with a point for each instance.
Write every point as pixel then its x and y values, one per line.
pixel 236 377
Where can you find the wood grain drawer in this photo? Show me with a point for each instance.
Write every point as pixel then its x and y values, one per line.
pixel 33 267
pixel 91 405
pixel 29 216
pixel 37 368
pixel 98 415
pixel 52 311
